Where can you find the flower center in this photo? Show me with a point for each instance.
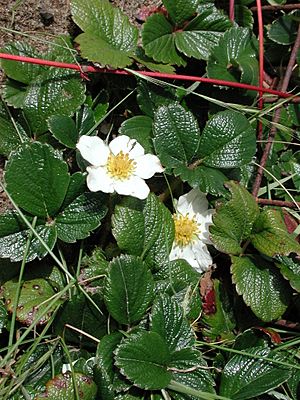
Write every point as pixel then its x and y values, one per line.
pixel 120 166
pixel 185 229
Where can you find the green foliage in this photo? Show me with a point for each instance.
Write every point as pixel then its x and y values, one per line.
pixel 235 58
pixel 42 92
pixel 98 296
pixel 108 36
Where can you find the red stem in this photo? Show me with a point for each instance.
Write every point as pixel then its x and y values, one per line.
pixel 278 203
pixel 231 10
pixel 276 117
pixel 89 68
pixel 261 63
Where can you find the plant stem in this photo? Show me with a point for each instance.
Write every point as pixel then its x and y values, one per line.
pixel 277 7
pixel 276 117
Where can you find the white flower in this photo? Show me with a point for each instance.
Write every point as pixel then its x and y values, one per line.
pixel 120 166
pixel 192 220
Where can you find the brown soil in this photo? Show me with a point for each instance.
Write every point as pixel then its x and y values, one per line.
pixel 38 22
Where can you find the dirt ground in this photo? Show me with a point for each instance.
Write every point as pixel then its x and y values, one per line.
pixel 39 21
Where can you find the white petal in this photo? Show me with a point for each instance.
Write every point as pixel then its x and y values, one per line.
pixel 193 202
pixel 127 145
pixel 98 179
pixel 196 255
pixel 147 165
pixel 134 186
pixel 204 221
pixel 93 150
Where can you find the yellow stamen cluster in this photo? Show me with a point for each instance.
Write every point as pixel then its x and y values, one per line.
pixel 120 166
pixel 186 229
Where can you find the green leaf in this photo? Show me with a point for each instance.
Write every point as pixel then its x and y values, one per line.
pixel 150 64
pixel 270 236
pixel 12 134
pixel 245 377
pixel 63 128
pixel 81 314
pixel 203 33
pixel 14 235
pixel 150 97
pixel 168 321
pixel 234 220
pixel 143 359
pixel 176 135
pixel 159 40
pixel 34 298
pixel 181 10
pixel 284 29
pixel 209 180
pixel 166 42
pixel 148 232
pixel 83 215
pixel 44 92
pixel 176 275
pixel 263 288
pixel 62 387
pixel 290 269
pixel 243 16
pixel 128 289
pixel 103 370
pixel 108 36
pixel 235 58
pixel 139 128
pixel 37 179
pixel 197 377
pixel 218 316
pixel 22 72
pixel 228 141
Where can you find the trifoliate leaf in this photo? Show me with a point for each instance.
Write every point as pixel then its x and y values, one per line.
pixel 128 289
pixel 12 134
pixel 149 231
pixel 167 42
pixel 247 376
pixel 168 321
pixel 34 298
pixel 139 128
pixel 176 135
pixel 14 235
pixel 37 179
pixel 263 289
pixel 233 221
pixel 159 40
pixel 270 236
pixel 243 16
pixel 83 215
pixel 43 92
pixel 143 358
pixel 290 269
pixel 284 29
pixel 62 387
pixel 228 141
pixel 235 58
pixel 108 36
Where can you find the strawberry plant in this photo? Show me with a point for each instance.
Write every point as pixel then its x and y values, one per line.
pixel 150 249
